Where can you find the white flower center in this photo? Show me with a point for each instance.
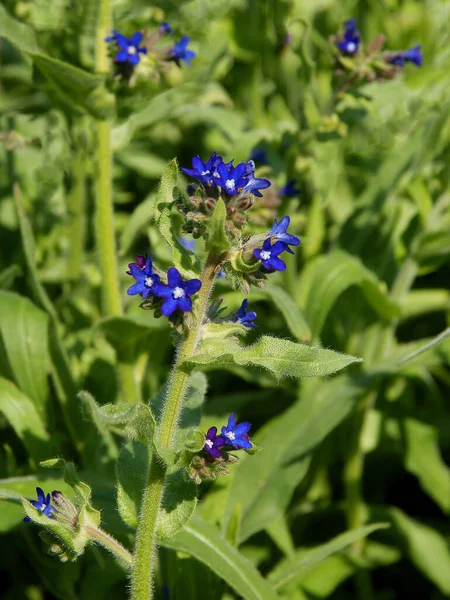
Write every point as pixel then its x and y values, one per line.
pixel 230 185
pixel 178 293
pixel 132 50
pixel 43 507
pixel 216 173
pixel 205 172
pixel 148 281
pixel 265 254
pixel 351 47
pixel 209 443
pixel 230 435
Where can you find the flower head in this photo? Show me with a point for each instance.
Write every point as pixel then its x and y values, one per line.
pixel 140 262
pixel 268 255
pixel 165 28
pixel 128 48
pixel 145 278
pixel 43 503
pixel 231 179
pixel 413 55
pixel 243 317
pixel 289 190
pixel 254 185
pixel 180 52
pixel 205 172
pixel 213 442
pixel 177 292
pixel 279 231
pixel 349 44
pixel 237 435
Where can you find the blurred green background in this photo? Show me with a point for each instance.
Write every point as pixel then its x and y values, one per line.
pixel 371 278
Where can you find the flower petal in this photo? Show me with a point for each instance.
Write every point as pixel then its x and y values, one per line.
pixel 174 278
pixel 136 38
pixel 169 306
pixel 192 286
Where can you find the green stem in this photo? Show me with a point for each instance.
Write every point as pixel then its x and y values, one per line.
pixel 77 204
pixel 111 544
pixel 142 575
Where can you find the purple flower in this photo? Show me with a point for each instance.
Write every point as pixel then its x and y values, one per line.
pixel 140 262
pixel 413 55
pixel 145 278
pixel 214 442
pixel 165 28
pixel 231 179
pixel 43 503
pixel 289 190
pixel 279 231
pixel 243 317
pixel 268 255
pixel 180 52
pixel 350 42
pixel 177 293
pixel 237 435
pixel 205 172
pixel 128 48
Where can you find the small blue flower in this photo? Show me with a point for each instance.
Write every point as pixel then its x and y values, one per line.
pixel 268 255
pixel 279 231
pixel 237 435
pixel 145 278
pixel 256 184
pixel 260 156
pixel 165 28
pixel 43 503
pixel 350 43
pixel 187 243
pixel 231 179
pixel 243 317
pixel 289 190
pixel 413 55
pixel 129 49
pixel 213 442
pixel 205 172
pixel 180 52
pixel 177 293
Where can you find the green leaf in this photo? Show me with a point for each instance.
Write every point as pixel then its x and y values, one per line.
pixel 24 418
pixel 131 471
pixel 217 235
pixel 8 276
pixel 95 414
pixel 295 318
pixel 24 334
pixel 131 420
pixel 203 541
pixel 282 358
pixel 327 277
pixel 178 505
pixel 128 337
pixel 289 570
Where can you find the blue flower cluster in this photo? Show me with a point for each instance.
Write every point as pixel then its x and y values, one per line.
pixel 232 180
pixel 233 437
pixel 176 294
pixel 349 43
pixel 269 253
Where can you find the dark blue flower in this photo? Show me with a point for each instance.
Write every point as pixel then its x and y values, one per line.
pixel 140 262
pixel 231 179
pixel 413 55
pixel 213 442
pixel 260 156
pixel 237 435
pixel 256 184
pixel 350 42
pixel 243 317
pixel 145 278
pixel 43 503
pixel 279 231
pixel 289 190
pixel 177 293
pixel 268 255
pixel 165 28
pixel 205 172
pixel 180 52
pixel 129 49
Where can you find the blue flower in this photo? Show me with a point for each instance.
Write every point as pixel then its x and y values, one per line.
pixel 260 156
pixel 129 49
pixel 145 278
pixel 243 317
pixel 231 179
pixel 279 231
pixel 43 503
pixel 213 442
pixel 177 293
pixel 413 55
pixel 165 28
pixel 350 43
pixel 187 243
pixel 289 190
pixel 180 52
pixel 256 184
pixel 205 172
pixel 237 435
pixel 268 255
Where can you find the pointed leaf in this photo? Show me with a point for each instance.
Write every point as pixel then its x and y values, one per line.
pixel 177 506
pixel 217 234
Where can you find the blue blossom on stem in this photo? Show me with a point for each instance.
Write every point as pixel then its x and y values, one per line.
pixel 255 184
pixel 279 231
pixel 289 190
pixel 145 278
pixel 260 156
pixel 231 179
pixel 413 55
pixel 165 28
pixel 128 48
pixel 213 442
pixel 237 435
pixel 140 262
pixel 350 43
pixel 243 317
pixel 177 293
pixel 204 171
pixel 43 503
pixel 180 52
pixel 268 255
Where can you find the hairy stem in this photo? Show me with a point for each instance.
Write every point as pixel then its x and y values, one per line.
pixel 107 541
pixel 142 575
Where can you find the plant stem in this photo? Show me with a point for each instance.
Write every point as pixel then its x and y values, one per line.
pixel 111 544
pixel 77 207
pixel 142 576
